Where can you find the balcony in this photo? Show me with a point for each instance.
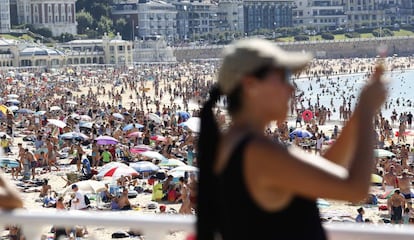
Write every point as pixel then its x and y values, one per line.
pixel 156 227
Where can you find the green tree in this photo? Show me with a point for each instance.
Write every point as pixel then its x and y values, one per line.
pixel 99 10
pixel 124 28
pixel 105 25
pixel 85 20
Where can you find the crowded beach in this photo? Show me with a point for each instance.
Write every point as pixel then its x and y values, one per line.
pixel 125 137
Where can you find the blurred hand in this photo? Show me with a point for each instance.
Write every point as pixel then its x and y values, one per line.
pixel 374 93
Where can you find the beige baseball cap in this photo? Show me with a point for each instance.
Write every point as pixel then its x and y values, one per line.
pixel 249 55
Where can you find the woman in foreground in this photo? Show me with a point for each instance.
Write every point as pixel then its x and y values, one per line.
pixel 248 182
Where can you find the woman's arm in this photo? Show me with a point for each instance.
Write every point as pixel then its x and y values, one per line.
pixel 309 175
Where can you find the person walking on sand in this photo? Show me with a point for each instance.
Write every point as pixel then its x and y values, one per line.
pixel 272 183
pixel 397 204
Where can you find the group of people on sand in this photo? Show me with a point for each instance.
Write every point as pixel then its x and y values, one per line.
pixel 147 105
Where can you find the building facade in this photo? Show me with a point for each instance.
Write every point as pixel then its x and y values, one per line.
pixel 107 50
pixel 4 16
pixel 230 16
pixel 57 15
pixel 148 18
pixel 267 14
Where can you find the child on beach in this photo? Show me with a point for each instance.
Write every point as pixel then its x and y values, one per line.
pixel 272 183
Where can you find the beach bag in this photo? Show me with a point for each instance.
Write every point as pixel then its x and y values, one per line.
pixel 172 195
pixel 87 200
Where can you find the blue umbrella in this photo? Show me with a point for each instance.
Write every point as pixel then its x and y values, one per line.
pixel 74 135
pixel 184 115
pixel 25 111
pixel 300 133
pixel 9 162
pixel 86 124
pixel 144 166
pixel 131 126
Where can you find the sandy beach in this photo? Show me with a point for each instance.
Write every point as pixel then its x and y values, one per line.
pixel 94 80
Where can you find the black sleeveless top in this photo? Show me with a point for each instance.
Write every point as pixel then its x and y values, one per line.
pixel 241 218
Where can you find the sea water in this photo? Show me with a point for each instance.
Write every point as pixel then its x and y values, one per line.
pixel 400 87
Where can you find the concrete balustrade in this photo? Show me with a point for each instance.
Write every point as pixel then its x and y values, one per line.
pixel 156 227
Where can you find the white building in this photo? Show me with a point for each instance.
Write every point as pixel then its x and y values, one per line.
pixel 98 51
pixel 57 15
pixel 4 16
pixel 319 14
pixel 157 18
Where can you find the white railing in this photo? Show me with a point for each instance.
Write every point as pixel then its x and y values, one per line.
pixel 157 226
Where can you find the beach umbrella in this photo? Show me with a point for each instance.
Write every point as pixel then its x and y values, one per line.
pixel 172 162
pixel 184 168
pixel 183 114
pixel 87 186
pixel 376 179
pixel 13 101
pixel 9 162
pixel 118 115
pixel 300 133
pixel 14 108
pixel 382 153
pixel 118 171
pixel 86 124
pixel 158 138
pixel 193 123
pixel 154 117
pixel 85 118
pixel 140 148
pixel 144 166
pixel 110 165
pixel 5 110
pixel 40 113
pixel 55 108
pixel 74 135
pixel 154 155
pixel 25 111
pixel 406 133
pixel 58 123
pixel 71 102
pixel 106 140
pixel 134 134
pixel 13 96
pixel 131 126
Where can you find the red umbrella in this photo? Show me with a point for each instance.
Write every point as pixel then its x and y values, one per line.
pixel 135 134
pixel 119 171
pixel 158 138
pixel 140 148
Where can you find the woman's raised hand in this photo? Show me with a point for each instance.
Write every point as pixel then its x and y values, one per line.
pixel 374 93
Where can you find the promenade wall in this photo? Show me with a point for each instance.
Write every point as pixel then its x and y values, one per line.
pixel 349 48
